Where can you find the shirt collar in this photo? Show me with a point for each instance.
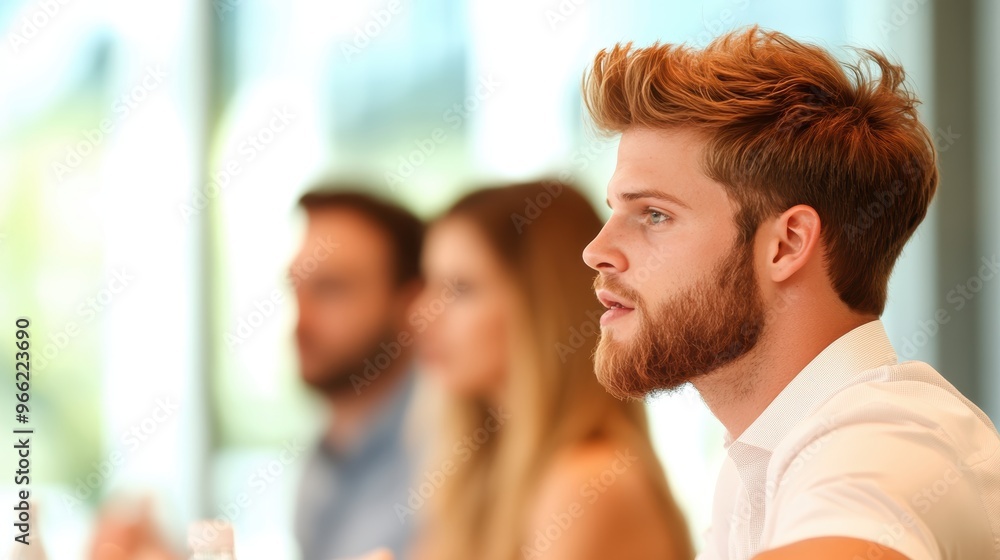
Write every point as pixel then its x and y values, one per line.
pixel 862 348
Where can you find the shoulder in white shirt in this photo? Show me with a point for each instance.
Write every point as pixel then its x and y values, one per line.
pixel 859 445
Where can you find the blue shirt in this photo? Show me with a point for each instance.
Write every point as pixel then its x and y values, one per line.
pixel 346 503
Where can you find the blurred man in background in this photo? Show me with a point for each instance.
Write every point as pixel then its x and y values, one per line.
pixel 355 276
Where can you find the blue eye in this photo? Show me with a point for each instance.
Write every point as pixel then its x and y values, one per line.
pixel 654 216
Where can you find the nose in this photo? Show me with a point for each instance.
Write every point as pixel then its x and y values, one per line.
pixel 432 293
pixel 305 311
pixel 603 254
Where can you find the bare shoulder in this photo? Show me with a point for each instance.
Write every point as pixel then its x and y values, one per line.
pixel 599 500
pixel 594 469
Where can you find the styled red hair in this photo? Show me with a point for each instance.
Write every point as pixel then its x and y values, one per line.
pixel 786 124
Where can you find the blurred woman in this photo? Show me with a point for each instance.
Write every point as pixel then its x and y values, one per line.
pixel 537 460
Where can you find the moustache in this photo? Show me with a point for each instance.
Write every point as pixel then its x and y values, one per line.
pixel 613 284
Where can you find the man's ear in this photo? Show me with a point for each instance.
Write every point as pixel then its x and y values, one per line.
pixel 793 239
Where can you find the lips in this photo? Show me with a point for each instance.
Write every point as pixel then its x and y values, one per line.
pixel 612 300
pixel 617 306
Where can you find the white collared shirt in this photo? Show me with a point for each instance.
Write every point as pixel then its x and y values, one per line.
pixel 859 445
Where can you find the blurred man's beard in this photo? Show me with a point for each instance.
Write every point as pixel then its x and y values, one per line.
pixel 348 375
pixel 690 335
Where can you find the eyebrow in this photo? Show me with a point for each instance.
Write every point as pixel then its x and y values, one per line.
pixel 650 193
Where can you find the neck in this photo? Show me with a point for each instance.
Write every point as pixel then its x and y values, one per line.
pixel 739 392
pixel 353 410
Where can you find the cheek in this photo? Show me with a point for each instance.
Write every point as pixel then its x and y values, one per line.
pixel 660 268
pixel 351 323
pixel 489 348
pixel 476 340
pixel 655 270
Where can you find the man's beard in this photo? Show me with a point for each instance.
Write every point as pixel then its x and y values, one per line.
pixel 346 375
pixel 690 335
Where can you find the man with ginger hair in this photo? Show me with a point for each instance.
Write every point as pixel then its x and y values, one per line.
pixel 736 258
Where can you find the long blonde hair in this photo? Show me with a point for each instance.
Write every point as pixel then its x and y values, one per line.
pixel 539 231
